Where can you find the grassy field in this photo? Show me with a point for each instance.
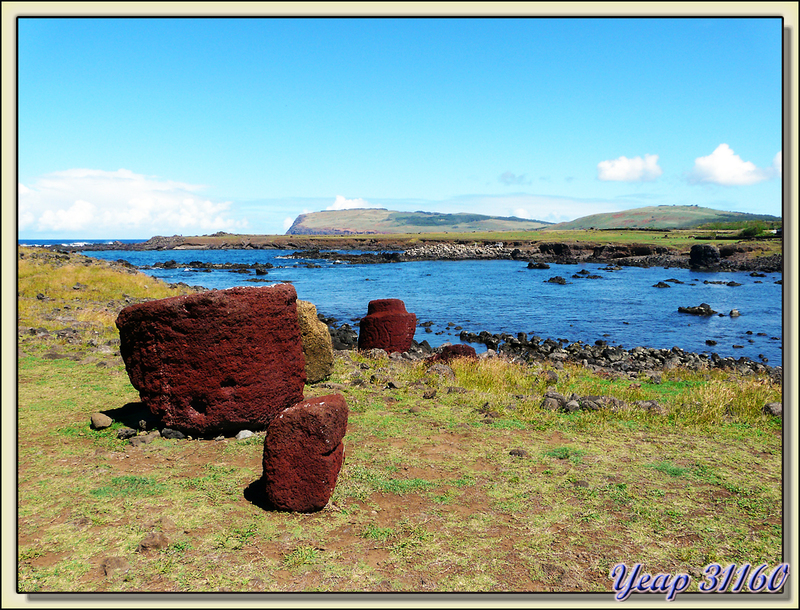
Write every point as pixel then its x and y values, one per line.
pixel 667 217
pixel 476 488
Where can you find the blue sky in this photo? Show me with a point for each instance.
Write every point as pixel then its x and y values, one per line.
pixel 129 128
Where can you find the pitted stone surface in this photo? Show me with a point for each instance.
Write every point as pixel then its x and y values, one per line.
pixel 387 326
pixel 303 453
pixel 216 361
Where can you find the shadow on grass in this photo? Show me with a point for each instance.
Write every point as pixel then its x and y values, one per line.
pixel 132 414
pixel 255 493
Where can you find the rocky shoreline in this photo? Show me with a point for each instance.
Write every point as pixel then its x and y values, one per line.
pixel 739 256
pixel 599 357
pixel 727 258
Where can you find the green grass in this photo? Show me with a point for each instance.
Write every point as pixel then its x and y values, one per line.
pixel 301 556
pixel 130 486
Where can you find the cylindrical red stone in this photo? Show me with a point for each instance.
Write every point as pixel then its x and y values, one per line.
pixel 217 361
pixel 387 326
pixel 303 453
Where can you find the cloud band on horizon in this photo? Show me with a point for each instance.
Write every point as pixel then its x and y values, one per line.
pixel 86 201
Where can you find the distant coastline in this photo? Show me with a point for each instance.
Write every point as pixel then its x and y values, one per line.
pixel 638 248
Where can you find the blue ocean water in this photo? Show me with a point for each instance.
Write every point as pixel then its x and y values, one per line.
pixel 622 308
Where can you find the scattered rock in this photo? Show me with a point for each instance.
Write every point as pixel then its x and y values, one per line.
pixel 154 541
pixel 442 370
pixel 429 394
pixel 774 409
pixel 651 406
pixel 734 313
pixel 661 285
pixel 556 280
pixel 518 453
pixel 145 439
pixel 244 434
pixel 100 421
pixel 110 565
pixel 704 309
pixel 172 434
pixel 550 404
pixel 125 433
pixel 550 376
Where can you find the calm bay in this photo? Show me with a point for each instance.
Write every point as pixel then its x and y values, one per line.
pixel 621 307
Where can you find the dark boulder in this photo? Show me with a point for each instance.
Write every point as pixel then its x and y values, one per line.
pixel 343 337
pixel 534 265
pixel 704 257
pixel 704 309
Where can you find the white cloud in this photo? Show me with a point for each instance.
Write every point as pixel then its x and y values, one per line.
pixel 777 163
pixel 521 213
pixel 725 167
pixel 630 170
pixel 89 202
pixel 509 178
pixel 349 204
pixel 287 223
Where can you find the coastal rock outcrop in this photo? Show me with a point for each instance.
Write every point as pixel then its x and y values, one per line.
pixel 387 326
pixel 303 453
pixel 704 257
pixel 704 309
pixel 317 343
pixel 216 361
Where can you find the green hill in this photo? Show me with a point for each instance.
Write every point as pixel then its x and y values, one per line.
pixel 382 221
pixel 660 217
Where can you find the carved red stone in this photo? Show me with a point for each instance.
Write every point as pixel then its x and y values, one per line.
pixel 449 352
pixel 303 453
pixel 387 326
pixel 216 361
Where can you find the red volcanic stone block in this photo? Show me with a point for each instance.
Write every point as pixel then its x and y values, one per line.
pixel 387 326
pixel 216 361
pixel 450 352
pixel 303 453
